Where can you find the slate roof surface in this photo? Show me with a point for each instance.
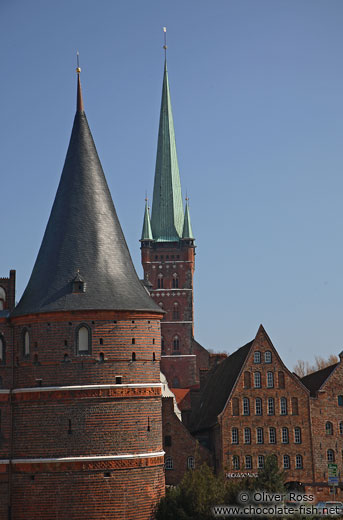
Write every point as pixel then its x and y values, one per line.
pixel 315 380
pixel 217 389
pixel 84 236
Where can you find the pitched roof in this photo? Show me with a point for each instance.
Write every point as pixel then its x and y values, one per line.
pixel 315 380
pixel 217 389
pixel 167 217
pixel 146 230
pixel 83 235
pixel 187 228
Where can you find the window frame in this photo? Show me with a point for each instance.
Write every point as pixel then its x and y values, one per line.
pixel 268 356
pixel 284 435
pixel 87 352
pixel 288 464
pixel 272 439
pixel 299 462
pixel 168 464
pixel 271 409
pixel 257 357
pixel 247 435
pixel 259 401
pixel 259 435
pixel 270 379
pixel 234 436
pixel 257 379
pixel 246 406
pixel 297 435
pixel 283 406
pixel 190 462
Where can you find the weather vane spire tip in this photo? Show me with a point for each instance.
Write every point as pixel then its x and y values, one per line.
pixel 78 69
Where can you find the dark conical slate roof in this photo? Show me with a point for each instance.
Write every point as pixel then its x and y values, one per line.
pixel 83 236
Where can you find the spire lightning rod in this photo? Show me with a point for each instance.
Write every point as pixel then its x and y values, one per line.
pixel 165 42
pixel 78 70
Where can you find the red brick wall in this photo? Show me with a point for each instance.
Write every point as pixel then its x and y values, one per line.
pixel 79 422
pixel 183 444
pixel 293 388
pixel 8 284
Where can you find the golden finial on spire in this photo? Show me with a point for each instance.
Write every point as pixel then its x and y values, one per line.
pixel 165 41
pixel 78 69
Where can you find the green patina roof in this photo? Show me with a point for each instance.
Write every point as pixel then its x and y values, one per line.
pixel 146 231
pixel 187 228
pixel 167 217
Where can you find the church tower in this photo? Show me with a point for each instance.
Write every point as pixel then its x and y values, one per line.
pixel 168 254
pixel 81 430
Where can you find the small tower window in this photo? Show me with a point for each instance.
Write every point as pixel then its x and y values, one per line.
pixel 2 351
pixel 153 356
pixel 162 343
pixel 2 298
pixel 190 463
pixel 78 284
pixel 175 282
pixel 83 339
pixel 176 311
pixel 176 343
pixel 133 356
pixel 329 428
pixel 26 342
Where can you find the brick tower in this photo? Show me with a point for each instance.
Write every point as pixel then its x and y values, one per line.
pixel 81 401
pixel 168 254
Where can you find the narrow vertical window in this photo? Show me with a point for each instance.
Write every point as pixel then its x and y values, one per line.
pixel 160 281
pixel 235 462
pixel 283 406
pixel 169 463
pixel 272 436
pixel 248 462
pixel 257 379
pixel 176 312
pixel 257 356
pixel 297 435
pixel 26 339
pixel 260 461
pixel 83 340
pixel 2 350
pixel 270 380
pixel 176 343
pixel 286 462
pixel 133 356
pixel 284 436
pixel 268 357
pixel 234 436
pixel 247 436
pixel 328 428
pixel 259 435
pixel 331 456
pixel 246 406
pixel 175 281
pixel 258 406
pixel 271 407
pixel 190 463
pixel 298 462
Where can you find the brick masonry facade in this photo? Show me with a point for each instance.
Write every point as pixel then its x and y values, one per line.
pixel 88 425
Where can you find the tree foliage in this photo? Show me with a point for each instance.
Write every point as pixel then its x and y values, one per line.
pixel 303 368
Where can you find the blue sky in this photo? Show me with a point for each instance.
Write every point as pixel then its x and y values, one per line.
pixel 257 90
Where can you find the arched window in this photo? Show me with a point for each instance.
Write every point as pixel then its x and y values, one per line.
pixel 257 379
pixel 175 281
pixel 267 356
pixel 257 356
pixel 83 339
pixel 283 406
pixel 248 462
pixel 260 461
pixel 284 436
pixel 340 400
pixel 270 380
pixel 298 462
pixel 258 406
pixel 341 428
pixel 235 462
pixel 234 436
pixel 26 342
pixel 271 407
pixel 2 350
pixel 176 311
pixel 272 435
pixel 176 343
pixel 297 435
pixel 281 378
pixel 169 463
pixel 160 281
pixel 259 435
pixel 286 462
pixel 328 428
pixel 247 380
pixel 190 463
pixel 295 409
pixel 331 456
pixel 246 406
pixel 247 436
pixel 2 298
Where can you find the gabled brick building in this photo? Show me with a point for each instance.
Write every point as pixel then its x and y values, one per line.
pixel 80 404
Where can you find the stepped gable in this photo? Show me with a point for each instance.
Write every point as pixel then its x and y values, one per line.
pixel 217 389
pixel 83 238
pixel 316 380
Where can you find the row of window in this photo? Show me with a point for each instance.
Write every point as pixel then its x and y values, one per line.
pixel 272 437
pixel 270 404
pixel 169 463
pixel 258 379
pixel 176 310
pixel 329 428
pixel 176 343
pixel 167 257
pixel 258 356
pixel 248 462
pixel 161 284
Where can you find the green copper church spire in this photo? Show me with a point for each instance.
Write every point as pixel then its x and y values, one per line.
pixel 187 228
pixel 146 231
pixel 167 217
